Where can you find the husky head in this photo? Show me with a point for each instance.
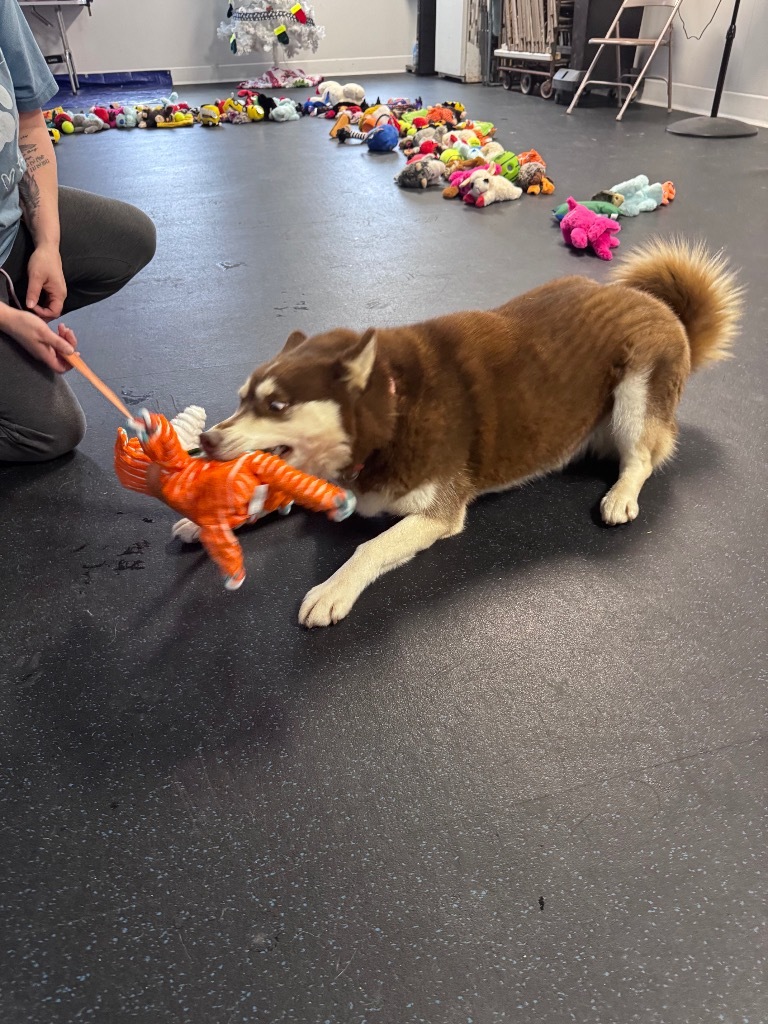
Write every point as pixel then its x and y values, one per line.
pixel 316 404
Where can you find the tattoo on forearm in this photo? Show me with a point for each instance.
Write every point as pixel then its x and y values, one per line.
pixel 34 163
pixel 34 160
pixel 36 150
pixel 29 191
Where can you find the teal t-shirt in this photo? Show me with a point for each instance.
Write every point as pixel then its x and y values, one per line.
pixel 26 83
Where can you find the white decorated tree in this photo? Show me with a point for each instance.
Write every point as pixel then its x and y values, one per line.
pixel 282 28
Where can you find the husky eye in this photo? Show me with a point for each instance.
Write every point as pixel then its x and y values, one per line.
pixel 276 406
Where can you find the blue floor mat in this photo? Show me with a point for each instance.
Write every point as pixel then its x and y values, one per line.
pixel 137 87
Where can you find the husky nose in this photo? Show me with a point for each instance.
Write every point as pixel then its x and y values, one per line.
pixel 210 440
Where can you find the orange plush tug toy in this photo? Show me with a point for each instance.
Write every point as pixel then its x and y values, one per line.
pixel 217 497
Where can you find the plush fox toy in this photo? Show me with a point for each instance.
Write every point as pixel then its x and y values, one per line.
pixel 218 496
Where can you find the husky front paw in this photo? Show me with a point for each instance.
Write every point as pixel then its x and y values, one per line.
pixel 327 603
pixel 186 531
pixel 619 506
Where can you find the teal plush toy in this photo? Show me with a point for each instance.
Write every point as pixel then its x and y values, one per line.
pixel 639 195
pixel 284 110
pixel 127 118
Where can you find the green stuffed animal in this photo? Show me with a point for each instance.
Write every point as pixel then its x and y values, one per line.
pixel 486 128
pixel 606 209
pixel 510 165
pixel 408 117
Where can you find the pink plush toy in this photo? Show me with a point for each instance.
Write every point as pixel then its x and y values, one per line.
pixel 456 181
pixel 460 185
pixel 582 227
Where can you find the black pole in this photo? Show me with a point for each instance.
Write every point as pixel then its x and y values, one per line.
pixel 712 126
pixel 729 37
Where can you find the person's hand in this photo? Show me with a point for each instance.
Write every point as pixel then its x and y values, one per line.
pixel 46 283
pixel 41 342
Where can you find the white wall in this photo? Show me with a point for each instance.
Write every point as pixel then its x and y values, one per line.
pixel 695 63
pixel 180 35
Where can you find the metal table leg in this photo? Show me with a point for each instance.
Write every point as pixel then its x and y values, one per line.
pixel 74 80
pixel 69 60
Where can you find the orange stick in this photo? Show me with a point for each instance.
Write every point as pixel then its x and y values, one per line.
pixel 98 383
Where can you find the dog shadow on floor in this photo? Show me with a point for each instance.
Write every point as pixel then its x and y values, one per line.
pixel 543 522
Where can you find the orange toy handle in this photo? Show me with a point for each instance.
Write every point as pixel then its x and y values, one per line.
pixel 77 361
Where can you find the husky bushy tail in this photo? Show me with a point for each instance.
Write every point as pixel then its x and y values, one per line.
pixel 697 285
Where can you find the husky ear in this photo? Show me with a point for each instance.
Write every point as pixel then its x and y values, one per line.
pixel 294 341
pixel 359 361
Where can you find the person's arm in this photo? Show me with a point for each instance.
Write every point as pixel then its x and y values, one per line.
pixel 39 193
pixel 38 338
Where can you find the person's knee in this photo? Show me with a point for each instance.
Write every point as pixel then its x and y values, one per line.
pixel 67 432
pixel 137 237
pixel 138 241
pixel 49 438
pixel 122 231
pixel 144 239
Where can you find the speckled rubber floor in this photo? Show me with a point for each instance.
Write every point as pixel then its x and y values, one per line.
pixel 526 780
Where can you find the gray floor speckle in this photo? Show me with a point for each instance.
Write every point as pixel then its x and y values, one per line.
pixel 525 781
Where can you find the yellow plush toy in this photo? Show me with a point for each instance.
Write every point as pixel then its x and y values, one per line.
pixel 179 119
pixel 209 116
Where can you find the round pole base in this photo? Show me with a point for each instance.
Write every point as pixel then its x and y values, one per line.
pixel 712 128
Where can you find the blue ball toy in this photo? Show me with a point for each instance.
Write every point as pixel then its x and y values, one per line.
pixel 383 139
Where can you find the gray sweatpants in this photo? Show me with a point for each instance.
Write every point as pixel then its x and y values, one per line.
pixel 104 243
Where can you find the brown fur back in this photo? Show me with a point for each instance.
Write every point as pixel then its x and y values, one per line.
pixel 495 397
pixel 695 284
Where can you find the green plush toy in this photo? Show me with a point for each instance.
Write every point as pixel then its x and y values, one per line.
pixel 510 165
pixel 606 209
pixel 486 128
pixel 408 117
pixel 410 114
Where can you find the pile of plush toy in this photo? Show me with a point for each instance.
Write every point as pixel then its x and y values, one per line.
pixel 471 165
pixel 442 146
pixel 168 112
pixel 627 199
pixel 247 106
pixel 593 224
pixel 242 107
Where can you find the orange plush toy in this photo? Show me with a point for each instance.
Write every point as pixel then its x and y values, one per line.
pixel 218 496
pixel 530 156
pixel 215 497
